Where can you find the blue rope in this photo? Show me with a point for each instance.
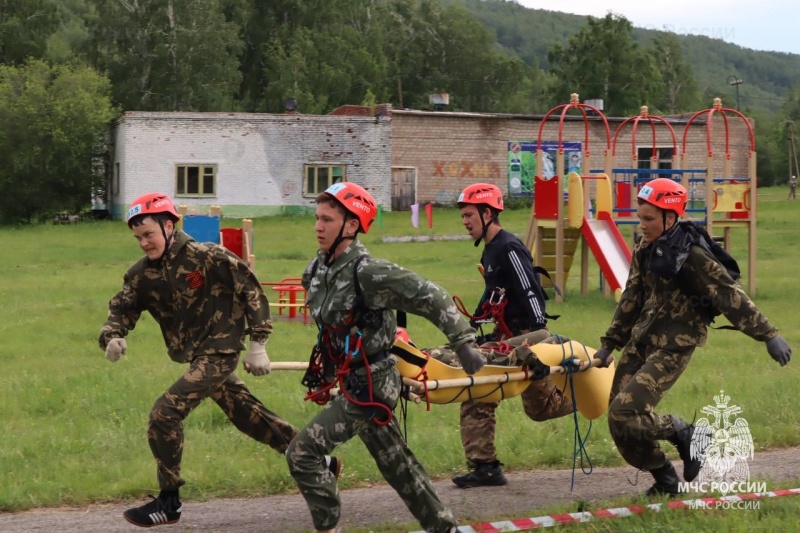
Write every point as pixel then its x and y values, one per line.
pixel 571 365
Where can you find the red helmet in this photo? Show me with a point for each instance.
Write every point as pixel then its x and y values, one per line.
pixel 402 335
pixel 356 200
pixel 482 193
pixel 153 203
pixel 664 194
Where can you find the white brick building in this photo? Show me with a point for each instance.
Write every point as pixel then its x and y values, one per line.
pixel 250 164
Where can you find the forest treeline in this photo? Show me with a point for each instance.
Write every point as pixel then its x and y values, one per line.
pixel 67 67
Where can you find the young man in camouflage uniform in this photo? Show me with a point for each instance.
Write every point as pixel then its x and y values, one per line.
pixel 508 275
pixel 658 323
pixel 203 297
pixel 351 296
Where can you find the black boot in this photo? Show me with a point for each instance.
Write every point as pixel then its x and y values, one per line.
pixel 666 481
pixel 682 439
pixel 482 474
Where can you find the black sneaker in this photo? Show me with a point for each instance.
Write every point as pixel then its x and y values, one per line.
pixel 335 466
pixel 158 512
pixel 482 475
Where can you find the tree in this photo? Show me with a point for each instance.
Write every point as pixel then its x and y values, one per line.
pixel 431 49
pixel 770 137
pixel 479 78
pixel 70 40
pixel 774 141
pixel 324 54
pixel 680 93
pixel 52 118
pixel 602 61
pixel 170 56
pixel 25 26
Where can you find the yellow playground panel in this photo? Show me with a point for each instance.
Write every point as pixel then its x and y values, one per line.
pixel 730 198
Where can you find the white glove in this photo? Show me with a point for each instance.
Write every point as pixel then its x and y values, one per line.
pixel 115 349
pixel 256 361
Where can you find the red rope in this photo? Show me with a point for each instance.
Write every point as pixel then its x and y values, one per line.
pixel 424 375
pixel 463 310
pixel 494 307
pixel 498 311
pixel 341 362
pixel 371 403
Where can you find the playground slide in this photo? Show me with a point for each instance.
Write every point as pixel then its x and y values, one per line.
pixel 609 249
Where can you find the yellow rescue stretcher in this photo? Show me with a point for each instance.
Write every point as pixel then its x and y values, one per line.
pixel 441 383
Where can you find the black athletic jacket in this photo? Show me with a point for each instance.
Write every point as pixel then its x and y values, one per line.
pixel 507 264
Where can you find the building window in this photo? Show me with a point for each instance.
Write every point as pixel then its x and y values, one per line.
pixel 195 180
pixel 320 177
pixel 664 154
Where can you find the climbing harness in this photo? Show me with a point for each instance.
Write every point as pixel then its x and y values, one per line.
pixel 328 369
pixel 492 309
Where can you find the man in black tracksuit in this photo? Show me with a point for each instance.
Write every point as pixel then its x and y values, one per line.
pixel 514 299
pixel 507 264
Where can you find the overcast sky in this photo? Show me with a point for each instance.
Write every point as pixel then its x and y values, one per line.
pixel 760 25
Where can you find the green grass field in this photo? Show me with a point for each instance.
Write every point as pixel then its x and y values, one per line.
pixel 73 424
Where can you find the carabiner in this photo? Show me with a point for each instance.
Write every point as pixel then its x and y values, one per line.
pixel 497 291
pixel 347 345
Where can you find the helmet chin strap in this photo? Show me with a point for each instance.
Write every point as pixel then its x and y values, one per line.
pixel 664 219
pixel 167 239
pixel 336 242
pixel 485 227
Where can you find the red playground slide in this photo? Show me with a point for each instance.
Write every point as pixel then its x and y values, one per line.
pixel 609 249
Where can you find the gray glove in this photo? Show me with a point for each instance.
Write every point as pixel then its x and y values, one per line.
pixel 471 359
pixel 605 357
pixel 115 349
pixel 779 350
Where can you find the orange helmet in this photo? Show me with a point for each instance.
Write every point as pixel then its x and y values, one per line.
pixel 664 194
pixel 153 203
pixel 482 193
pixel 356 200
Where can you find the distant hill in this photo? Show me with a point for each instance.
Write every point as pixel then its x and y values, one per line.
pixel 766 76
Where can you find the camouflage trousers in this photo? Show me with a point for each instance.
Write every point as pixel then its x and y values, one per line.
pixel 643 376
pixel 541 400
pixel 339 422
pixel 209 377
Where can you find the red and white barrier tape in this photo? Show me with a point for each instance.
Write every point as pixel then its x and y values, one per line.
pixel 526 524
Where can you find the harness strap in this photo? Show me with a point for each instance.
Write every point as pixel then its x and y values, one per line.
pixel 357 363
pixel 351 358
pixel 543 272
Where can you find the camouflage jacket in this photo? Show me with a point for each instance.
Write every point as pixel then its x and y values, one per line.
pixel 200 294
pixel 656 311
pixel 385 287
